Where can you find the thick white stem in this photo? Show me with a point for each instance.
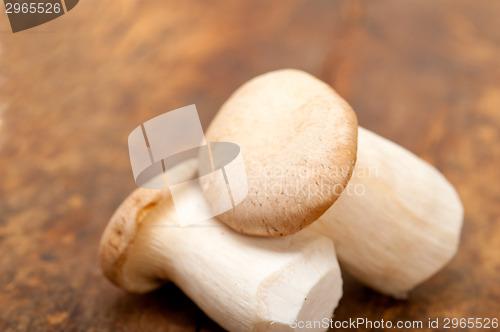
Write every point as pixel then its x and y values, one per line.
pixel 397 222
pixel 243 283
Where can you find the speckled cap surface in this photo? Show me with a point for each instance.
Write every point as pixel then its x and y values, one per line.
pixel 298 140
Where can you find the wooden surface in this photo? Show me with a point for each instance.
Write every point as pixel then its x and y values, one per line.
pixel 425 74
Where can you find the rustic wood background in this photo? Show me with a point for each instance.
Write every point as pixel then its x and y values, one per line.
pixel 425 74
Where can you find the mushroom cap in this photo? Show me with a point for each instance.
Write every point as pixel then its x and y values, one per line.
pixel 121 233
pixel 124 226
pixel 298 139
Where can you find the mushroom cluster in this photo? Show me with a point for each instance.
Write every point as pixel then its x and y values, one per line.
pixel 319 188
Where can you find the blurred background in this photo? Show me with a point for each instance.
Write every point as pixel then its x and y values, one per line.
pixel 425 74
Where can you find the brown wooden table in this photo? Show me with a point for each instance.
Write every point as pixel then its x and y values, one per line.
pixel 425 74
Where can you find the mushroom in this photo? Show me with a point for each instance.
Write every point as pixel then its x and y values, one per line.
pixel 397 222
pixel 243 283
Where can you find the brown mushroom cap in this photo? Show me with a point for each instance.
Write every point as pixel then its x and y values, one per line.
pixel 298 139
pixel 121 233
pixel 123 228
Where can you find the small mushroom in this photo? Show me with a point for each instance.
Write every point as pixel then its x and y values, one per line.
pixel 398 221
pixel 243 283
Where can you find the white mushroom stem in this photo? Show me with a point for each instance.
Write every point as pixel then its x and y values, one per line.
pixel 243 283
pixel 398 221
